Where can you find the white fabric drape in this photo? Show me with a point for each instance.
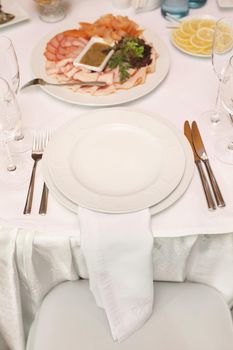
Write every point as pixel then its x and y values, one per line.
pixel 118 252
pixel 32 263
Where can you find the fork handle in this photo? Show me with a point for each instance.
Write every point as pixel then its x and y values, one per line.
pixel 28 204
pixel 44 200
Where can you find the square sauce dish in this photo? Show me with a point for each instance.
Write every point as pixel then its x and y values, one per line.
pixel 95 55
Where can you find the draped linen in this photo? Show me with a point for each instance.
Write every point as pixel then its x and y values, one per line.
pixel 33 262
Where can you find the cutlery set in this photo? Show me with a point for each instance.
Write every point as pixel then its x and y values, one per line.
pixel 200 157
pixel 211 189
pixel 40 141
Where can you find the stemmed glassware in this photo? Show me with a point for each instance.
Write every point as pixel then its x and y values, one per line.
pixel 12 169
pixel 216 120
pixel 224 146
pixel 9 67
pixel 9 70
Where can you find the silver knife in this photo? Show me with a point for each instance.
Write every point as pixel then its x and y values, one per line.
pixel 201 152
pixel 208 194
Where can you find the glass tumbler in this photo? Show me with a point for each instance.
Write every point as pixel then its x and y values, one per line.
pixel 195 4
pixel 176 8
pixel 51 10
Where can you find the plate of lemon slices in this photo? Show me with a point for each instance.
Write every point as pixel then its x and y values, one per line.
pixel 195 35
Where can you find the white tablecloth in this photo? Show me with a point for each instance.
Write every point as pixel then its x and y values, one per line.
pixel 189 89
pixel 32 261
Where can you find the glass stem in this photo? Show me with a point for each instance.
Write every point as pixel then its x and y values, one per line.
pixel 19 136
pixel 215 118
pixel 10 164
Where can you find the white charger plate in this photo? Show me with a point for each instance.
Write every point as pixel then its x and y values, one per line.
pixel 115 160
pixel 12 6
pixel 119 97
pixel 154 209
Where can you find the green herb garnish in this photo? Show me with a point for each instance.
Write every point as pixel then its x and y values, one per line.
pixel 130 52
pixel 118 60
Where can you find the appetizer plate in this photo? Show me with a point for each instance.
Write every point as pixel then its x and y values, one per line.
pixel 115 160
pixel 187 19
pixel 12 6
pixel 121 96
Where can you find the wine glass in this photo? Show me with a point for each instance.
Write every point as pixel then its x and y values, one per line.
pixel 9 70
pixel 216 120
pixel 224 146
pixel 12 168
pixel 9 67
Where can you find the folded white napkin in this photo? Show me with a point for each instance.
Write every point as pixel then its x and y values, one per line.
pixel 145 5
pixel 118 252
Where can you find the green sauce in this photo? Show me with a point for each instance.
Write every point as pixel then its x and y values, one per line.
pixel 95 55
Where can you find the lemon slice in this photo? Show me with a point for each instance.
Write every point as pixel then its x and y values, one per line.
pixel 205 51
pixel 207 23
pixel 179 39
pixel 199 44
pixel 196 51
pixel 224 42
pixel 187 47
pixel 205 34
pixel 194 24
pixel 224 28
pixel 187 28
pixel 181 34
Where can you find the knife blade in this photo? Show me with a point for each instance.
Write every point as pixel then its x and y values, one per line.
pixel 202 154
pixel 205 185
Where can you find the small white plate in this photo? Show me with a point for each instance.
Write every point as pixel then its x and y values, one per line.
pixel 11 6
pixel 116 160
pixel 225 3
pixel 119 97
pixel 154 209
pixel 185 51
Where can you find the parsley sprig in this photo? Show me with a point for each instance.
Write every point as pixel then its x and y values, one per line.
pixel 129 53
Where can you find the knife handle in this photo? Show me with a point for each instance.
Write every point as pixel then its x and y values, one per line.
pixel 217 193
pixel 44 200
pixel 208 194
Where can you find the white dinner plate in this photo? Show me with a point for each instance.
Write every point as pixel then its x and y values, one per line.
pixel 12 6
pixel 154 209
pixel 119 97
pixel 116 160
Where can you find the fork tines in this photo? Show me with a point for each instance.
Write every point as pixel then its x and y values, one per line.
pixel 40 140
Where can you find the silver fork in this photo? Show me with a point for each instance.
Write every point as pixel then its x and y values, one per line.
pixel 45 192
pixel 40 81
pixel 37 152
pixel 173 21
